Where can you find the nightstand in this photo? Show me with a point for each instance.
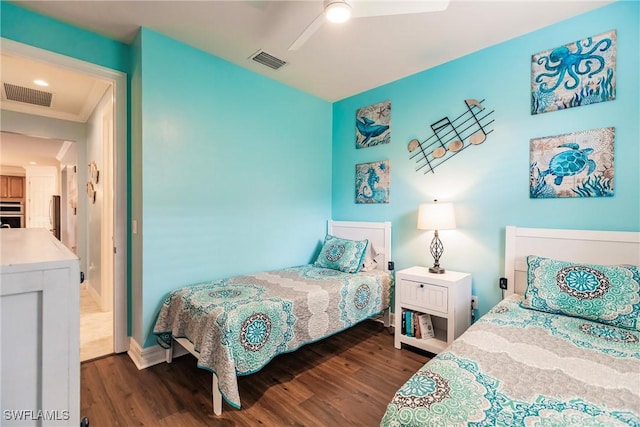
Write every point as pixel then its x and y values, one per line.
pixel 446 297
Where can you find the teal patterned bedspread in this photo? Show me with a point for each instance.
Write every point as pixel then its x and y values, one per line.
pixel 520 367
pixel 237 325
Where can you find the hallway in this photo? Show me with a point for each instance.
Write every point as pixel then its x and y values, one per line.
pixel 96 328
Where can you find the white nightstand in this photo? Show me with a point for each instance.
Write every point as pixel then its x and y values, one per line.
pixel 446 297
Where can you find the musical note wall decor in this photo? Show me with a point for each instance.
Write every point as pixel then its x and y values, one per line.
pixel 450 137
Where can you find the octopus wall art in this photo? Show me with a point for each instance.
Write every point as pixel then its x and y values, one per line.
pixel 579 73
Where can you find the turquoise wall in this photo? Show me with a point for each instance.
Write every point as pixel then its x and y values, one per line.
pixel 236 170
pixel 489 183
pixel 30 28
pixel 232 172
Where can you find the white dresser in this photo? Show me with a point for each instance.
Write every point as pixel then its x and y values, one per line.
pixel 40 315
pixel 445 297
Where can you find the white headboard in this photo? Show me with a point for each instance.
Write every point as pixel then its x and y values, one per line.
pixel 378 233
pixel 585 246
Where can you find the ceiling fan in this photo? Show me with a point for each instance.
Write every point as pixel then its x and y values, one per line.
pixel 338 11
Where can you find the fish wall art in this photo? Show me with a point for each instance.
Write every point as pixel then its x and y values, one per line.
pixel 579 73
pixel 373 125
pixel 578 164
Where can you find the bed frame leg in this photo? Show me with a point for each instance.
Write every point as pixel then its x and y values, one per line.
pixel 386 318
pixel 168 354
pixel 217 396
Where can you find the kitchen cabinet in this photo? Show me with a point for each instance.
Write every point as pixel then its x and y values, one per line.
pixel 40 326
pixel 11 187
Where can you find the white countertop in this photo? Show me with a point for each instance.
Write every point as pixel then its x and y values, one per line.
pixel 21 247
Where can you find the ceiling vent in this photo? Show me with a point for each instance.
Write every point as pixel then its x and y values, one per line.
pixel 27 95
pixel 270 61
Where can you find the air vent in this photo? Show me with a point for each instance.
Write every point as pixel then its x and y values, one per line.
pixel 27 95
pixel 270 61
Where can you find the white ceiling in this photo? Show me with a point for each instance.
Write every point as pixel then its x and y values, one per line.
pixel 18 150
pixel 75 95
pixel 74 98
pixel 338 61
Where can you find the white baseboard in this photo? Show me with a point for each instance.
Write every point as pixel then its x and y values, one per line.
pixel 149 356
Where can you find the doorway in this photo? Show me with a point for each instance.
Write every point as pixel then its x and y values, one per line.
pixel 113 235
pixel 47 168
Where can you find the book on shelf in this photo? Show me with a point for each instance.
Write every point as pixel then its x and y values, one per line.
pixel 426 326
pixel 416 324
pixel 408 314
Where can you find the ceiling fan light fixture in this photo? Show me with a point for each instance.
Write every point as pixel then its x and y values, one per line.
pixel 337 11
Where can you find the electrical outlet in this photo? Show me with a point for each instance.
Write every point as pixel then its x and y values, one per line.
pixel 474 302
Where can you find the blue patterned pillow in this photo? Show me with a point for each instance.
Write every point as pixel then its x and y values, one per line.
pixel 605 294
pixel 342 254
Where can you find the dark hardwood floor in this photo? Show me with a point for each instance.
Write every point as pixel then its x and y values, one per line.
pixel 343 380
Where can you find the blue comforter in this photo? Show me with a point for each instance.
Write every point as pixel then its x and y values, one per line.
pixel 238 325
pixel 521 367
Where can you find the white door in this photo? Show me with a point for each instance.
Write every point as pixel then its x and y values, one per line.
pixel 108 242
pixel 42 183
pixel 71 218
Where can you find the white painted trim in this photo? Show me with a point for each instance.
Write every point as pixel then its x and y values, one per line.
pixel 149 356
pixel 119 81
pixel 63 150
pixel 106 224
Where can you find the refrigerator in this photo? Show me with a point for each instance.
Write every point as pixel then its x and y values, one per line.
pixel 54 216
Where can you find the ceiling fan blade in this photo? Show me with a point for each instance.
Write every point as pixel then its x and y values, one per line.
pixel 308 32
pixel 366 8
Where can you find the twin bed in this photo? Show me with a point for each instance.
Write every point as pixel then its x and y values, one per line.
pixel 562 348
pixel 235 326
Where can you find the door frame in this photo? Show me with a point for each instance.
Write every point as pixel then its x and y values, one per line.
pixel 119 82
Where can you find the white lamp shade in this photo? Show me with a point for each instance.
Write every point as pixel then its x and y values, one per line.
pixel 436 216
pixel 337 11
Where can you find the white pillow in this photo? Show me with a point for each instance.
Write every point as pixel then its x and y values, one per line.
pixel 371 257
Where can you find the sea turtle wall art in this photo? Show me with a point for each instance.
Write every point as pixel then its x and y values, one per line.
pixel 373 125
pixel 579 73
pixel 372 182
pixel 573 165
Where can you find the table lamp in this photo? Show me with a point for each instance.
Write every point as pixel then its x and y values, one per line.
pixel 436 216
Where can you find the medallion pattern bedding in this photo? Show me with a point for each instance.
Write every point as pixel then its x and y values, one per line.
pixel 517 367
pixel 237 325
